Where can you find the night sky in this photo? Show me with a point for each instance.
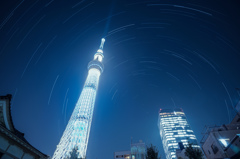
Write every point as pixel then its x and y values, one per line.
pixel 157 54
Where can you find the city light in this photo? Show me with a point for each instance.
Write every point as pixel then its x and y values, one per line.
pixel 174 129
pixel 224 142
pixel 77 132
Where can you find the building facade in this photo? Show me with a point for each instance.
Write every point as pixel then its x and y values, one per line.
pixel 223 141
pixel 138 151
pixel 77 131
pixel 175 131
pixel 122 155
pixel 13 145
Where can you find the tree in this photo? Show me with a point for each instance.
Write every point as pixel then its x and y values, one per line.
pixel 193 153
pixel 74 154
pixel 152 152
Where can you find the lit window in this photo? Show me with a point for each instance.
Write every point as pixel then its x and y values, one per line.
pixel 225 142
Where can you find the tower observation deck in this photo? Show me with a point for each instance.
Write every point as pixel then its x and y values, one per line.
pixel 75 137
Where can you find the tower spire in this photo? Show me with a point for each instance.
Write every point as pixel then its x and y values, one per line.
pixel 102 44
pixel 76 135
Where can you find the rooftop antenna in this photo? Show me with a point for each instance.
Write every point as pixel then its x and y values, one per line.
pixel 102 44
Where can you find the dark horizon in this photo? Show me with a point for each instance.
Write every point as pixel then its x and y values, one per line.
pixel 157 54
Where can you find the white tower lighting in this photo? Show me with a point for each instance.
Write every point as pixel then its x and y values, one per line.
pixel 77 131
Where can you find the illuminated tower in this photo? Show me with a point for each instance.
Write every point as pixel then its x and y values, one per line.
pixel 75 137
pixel 175 131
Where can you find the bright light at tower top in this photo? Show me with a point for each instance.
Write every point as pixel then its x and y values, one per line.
pixel 99 55
pixel 100 50
pixel 102 43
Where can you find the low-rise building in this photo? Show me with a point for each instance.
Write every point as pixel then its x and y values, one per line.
pixel 137 151
pixel 13 145
pixel 180 153
pixel 122 155
pixel 222 141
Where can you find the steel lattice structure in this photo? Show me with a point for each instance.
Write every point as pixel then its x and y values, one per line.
pixel 76 134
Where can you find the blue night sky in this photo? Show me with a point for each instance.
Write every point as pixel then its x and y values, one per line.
pixel 158 54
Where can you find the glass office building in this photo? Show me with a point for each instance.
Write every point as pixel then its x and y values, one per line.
pixel 175 131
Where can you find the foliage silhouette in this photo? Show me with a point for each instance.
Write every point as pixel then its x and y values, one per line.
pixel 152 152
pixel 193 153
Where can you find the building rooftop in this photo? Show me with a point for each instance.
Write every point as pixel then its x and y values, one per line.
pixel 7 127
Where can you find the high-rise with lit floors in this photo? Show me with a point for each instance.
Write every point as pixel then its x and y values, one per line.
pixel 175 131
pixel 75 137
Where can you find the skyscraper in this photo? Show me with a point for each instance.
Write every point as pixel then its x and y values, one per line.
pixel 175 131
pixel 75 137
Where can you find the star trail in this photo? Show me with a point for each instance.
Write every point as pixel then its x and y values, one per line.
pixel 158 54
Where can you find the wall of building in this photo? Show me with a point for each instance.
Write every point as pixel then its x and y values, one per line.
pixel 234 147
pixel 13 145
pixel 180 154
pixel 12 151
pixel 174 128
pixel 138 150
pixel 214 148
pixel 122 155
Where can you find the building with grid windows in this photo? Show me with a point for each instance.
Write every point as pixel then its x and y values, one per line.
pixel 175 131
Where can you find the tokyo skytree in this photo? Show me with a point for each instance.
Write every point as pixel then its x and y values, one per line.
pixel 74 140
